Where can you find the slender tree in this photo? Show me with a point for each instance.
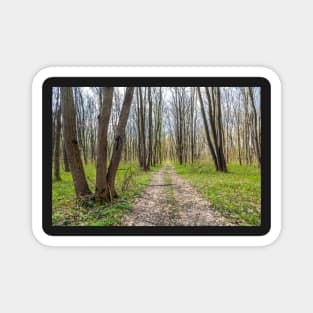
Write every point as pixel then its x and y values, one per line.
pixel 220 148
pixel 71 143
pixel 207 132
pixel 142 128
pixel 257 146
pixel 119 142
pixel 150 128
pixel 104 118
pixel 57 140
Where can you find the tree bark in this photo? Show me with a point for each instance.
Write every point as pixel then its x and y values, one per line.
pixel 140 159
pixel 104 118
pixel 119 142
pixel 222 160
pixel 150 128
pixel 71 143
pixel 65 160
pixel 206 128
pixel 57 143
pixel 142 130
pixel 257 147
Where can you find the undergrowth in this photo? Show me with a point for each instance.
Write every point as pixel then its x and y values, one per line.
pixel 67 210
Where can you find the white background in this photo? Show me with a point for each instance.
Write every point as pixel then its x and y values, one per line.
pixel 36 34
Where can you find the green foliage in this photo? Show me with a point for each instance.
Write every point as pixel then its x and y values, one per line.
pixel 236 194
pixel 67 210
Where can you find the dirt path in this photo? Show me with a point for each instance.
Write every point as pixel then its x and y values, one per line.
pixel 170 200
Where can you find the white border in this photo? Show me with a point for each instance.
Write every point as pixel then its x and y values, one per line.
pixel 45 239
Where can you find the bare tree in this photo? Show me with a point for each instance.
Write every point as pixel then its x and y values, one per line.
pixel 57 140
pixel 257 146
pixel 104 118
pixel 158 112
pixel 142 128
pixel 119 142
pixel 150 128
pixel 71 143
pixel 207 132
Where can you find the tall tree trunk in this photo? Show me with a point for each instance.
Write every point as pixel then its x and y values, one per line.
pixel 239 143
pixel 71 143
pixel 104 118
pixel 119 142
pixel 57 139
pixel 206 128
pixel 142 130
pixel 140 158
pixel 257 147
pixel 150 127
pixel 57 145
pixel 222 161
pixel 211 105
pixel 237 115
pixel 192 128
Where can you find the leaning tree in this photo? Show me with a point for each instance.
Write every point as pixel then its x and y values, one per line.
pixel 71 143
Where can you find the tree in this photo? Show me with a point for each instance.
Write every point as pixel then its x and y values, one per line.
pixel 257 146
pixel 236 108
pixel 118 144
pixel 57 140
pixel 220 149
pixel 81 122
pixel 71 143
pixel 215 141
pixel 192 121
pixel 207 132
pixel 150 128
pixel 158 111
pixel 104 118
pixel 142 128
pixel 179 114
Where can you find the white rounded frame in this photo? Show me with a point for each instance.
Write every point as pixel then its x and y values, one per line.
pixel 161 241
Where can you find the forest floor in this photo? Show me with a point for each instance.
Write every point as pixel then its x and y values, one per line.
pixel 236 194
pixel 190 194
pixel 170 200
pixel 68 211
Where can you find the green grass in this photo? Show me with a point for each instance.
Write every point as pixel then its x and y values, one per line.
pixel 236 194
pixel 66 209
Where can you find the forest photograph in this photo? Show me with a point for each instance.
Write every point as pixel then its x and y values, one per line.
pixel 156 156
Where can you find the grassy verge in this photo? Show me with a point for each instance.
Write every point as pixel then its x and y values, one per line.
pixel 236 194
pixel 66 210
